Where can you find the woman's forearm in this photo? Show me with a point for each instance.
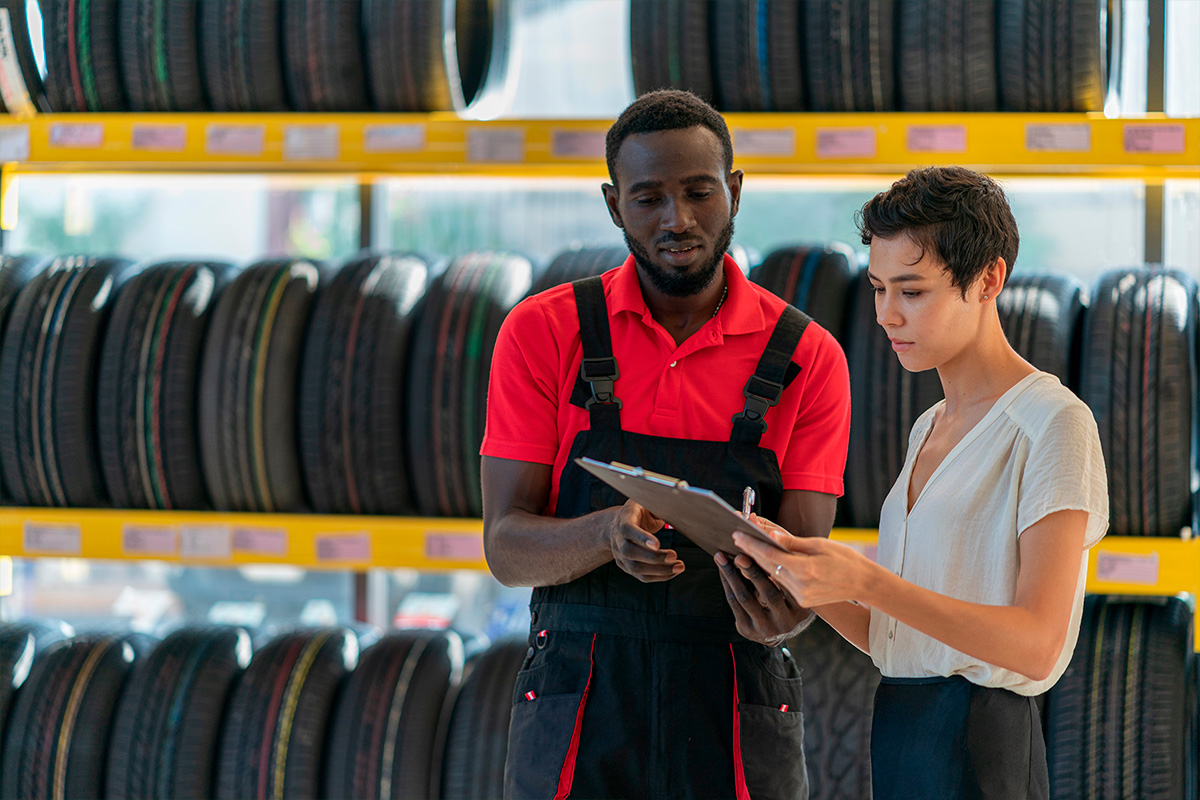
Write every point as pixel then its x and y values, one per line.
pixel 852 621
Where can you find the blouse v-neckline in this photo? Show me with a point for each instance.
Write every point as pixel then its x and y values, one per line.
pixel 999 407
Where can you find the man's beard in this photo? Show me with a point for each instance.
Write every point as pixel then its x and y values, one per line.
pixel 681 284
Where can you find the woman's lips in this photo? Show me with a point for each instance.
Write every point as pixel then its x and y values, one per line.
pixel 899 346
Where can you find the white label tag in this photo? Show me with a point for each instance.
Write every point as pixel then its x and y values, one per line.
pixel 206 541
pixel 1068 138
pixel 160 138
pixel 1143 138
pixel 496 144
pixel 393 138
pixel 64 540
pixel 1127 568
pixel 235 140
pixel 77 134
pixel 12 80
pixel 14 143
pixel 846 143
pixel 260 541
pixel 453 546
pixel 578 144
pixel 343 547
pixel 779 142
pixel 312 142
pixel 937 138
pixel 149 540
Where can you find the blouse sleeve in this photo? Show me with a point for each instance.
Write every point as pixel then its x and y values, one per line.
pixel 1065 472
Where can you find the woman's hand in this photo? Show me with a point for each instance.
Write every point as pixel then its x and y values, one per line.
pixel 815 572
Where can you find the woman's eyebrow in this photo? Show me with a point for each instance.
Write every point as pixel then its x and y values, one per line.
pixel 909 278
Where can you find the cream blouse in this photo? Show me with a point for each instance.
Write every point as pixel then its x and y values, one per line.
pixel 1036 451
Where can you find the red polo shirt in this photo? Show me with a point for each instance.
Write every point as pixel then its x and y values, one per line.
pixel 690 391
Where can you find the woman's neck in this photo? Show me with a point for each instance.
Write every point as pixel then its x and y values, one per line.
pixel 983 371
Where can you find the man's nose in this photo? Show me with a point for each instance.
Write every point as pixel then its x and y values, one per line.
pixel 677 216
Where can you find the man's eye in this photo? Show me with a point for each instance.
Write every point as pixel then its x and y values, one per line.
pixel 646 201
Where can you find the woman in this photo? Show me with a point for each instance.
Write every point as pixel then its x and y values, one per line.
pixel 974 605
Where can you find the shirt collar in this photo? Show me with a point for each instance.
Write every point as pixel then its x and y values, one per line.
pixel 742 311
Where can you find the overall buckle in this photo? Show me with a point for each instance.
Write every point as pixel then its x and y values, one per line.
pixel 601 374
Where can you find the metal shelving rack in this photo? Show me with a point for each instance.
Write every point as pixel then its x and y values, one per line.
pixel 1152 149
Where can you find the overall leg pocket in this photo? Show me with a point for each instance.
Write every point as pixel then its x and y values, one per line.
pixel 770 725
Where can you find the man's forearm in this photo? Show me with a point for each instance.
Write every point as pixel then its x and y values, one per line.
pixel 525 549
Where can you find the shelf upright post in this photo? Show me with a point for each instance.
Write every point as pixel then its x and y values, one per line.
pixel 1156 72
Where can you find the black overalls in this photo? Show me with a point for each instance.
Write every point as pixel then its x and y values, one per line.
pixel 646 690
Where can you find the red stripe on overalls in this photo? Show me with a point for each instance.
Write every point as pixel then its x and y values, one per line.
pixel 567 776
pixel 739 774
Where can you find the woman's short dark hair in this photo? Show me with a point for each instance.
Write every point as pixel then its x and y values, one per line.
pixel 665 110
pixel 958 215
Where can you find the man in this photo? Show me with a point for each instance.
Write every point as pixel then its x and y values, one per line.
pixel 654 669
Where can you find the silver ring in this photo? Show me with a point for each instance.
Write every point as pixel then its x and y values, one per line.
pixel 778 569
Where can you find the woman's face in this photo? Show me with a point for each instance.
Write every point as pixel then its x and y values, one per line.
pixel 927 319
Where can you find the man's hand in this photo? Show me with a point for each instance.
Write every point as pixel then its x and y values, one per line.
pixel 635 548
pixel 763 612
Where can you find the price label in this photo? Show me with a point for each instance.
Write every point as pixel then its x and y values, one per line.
pixel 1064 138
pixel 1143 138
pixel 846 143
pixel 779 142
pixel 1127 567
pixel 453 546
pixel 235 140
pixel 937 138
pixel 14 143
pixel 160 138
pixel 343 547
pixel 503 145
pixel 211 542
pixel 63 540
pixel 77 134
pixel 394 138
pixel 578 144
pixel 149 540
pixel 260 541
pixel 312 142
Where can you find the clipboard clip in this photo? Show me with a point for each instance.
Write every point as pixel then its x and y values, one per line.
pixel 638 472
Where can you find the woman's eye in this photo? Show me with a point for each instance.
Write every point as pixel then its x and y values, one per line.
pixel 911 294
pixel 877 289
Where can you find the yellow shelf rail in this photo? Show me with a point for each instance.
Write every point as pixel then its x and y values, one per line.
pixel 1151 148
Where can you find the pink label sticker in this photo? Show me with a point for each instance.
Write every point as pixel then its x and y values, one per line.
pixel 160 138
pixel 260 541
pixel 453 546
pixel 752 142
pixel 1148 138
pixel 846 143
pixel 149 540
pixel 235 140
pixel 393 138
pixel 14 143
pixel 77 134
pixel 578 144
pixel 937 138
pixel 312 142
pixel 1127 568
pixel 1056 138
pixel 496 144
pixel 206 542
pixel 343 547
pixel 64 540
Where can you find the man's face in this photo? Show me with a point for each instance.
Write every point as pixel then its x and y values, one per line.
pixel 676 203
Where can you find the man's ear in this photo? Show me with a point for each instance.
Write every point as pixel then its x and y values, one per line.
pixel 611 198
pixel 735 191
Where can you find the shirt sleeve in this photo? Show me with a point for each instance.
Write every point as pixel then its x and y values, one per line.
pixel 1065 472
pixel 522 398
pixel 816 454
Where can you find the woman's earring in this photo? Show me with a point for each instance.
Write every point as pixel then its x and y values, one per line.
pixel 985 297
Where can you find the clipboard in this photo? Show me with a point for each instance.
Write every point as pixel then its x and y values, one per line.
pixel 699 514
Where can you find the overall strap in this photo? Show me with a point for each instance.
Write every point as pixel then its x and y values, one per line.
pixel 765 386
pixel 599 368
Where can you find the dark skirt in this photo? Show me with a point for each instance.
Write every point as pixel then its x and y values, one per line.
pixel 949 739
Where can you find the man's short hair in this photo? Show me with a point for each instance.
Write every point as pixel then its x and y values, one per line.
pixel 959 216
pixel 665 110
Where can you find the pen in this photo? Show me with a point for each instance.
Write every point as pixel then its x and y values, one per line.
pixel 747 501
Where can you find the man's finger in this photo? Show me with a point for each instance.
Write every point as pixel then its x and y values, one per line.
pixel 740 616
pixel 768 592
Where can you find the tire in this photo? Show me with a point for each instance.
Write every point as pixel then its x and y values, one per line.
pixel 848 55
pixel 815 279
pixel 476 743
pixel 21 643
pixel 82 47
pixel 1059 56
pixel 1138 375
pixel 1116 724
pixel 160 58
pixel 27 95
pixel 948 55
pixel 322 55
pixel 839 699
pixel 1041 315
pixel 242 54
pixel 387 716
pixel 580 262
pixel 274 737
